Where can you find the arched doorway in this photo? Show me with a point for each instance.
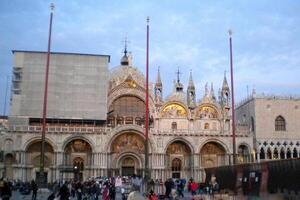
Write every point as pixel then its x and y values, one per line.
pixel 33 157
pixel 129 165
pixel 243 154
pixel 127 152
pixel 9 160
pixel 77 159
pixel 179 159
pixel 212 155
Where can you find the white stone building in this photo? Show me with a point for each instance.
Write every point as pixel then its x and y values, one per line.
pixel 186 135
pixel 274 122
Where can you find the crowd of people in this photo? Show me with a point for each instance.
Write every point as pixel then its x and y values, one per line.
pixel 106 188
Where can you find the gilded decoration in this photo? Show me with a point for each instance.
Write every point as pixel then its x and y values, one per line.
pixel 128 141
pixel 128 162
pixel 77 146
pixel 178 148
pixel 212 148
pixel 207 112
pixel 174 110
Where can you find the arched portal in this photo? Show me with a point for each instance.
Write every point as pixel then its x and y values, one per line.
pixel 127 152
pixel 9 160
pixel 129 165
pixel 77 159
pixel 243 154
pixel 212 155
pixel 33 157
pixel 179 159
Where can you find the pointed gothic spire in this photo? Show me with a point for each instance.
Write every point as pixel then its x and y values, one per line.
pixel 225 83
pixel 206 90
pixel 212 92
pixel 158 79
pixel 191 82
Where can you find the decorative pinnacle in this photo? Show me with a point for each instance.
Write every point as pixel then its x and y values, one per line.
pixel 52 6
pixel 148 19
pixel 178 74
pixel 230 32
pixel 125 43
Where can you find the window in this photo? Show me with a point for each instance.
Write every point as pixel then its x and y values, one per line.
pixel 206 126
pixel 174 126
pixel 252 125
pixel 280 124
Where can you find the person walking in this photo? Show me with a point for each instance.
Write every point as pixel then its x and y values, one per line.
pixel 5 191
pixel 34 188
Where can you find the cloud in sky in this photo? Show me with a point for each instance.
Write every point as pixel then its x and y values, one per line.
pixel 191 35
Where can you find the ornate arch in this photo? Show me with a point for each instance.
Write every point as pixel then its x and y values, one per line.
pixel 135 130
pixel 179 139
pixel 207 110
pixel 37 139
pixel 215 141
pixel 174 109
pixel 80 137
pixel 139 93
pixel 118 161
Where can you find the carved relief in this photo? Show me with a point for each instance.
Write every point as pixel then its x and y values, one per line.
pixel 178 148
pixel 207 112
pixel 78 146
pixel 128 141
pixel 174 110
pixel 212 148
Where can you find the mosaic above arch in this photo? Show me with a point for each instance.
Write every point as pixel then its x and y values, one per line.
pixel 128 142
pixel 174 110
pixel 207 112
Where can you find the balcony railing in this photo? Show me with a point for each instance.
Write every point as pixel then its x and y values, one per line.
pixel 59 129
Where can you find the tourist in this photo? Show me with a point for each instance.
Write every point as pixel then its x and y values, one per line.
pixel 5 191
pixel 135 194
pixel 34 188
pixel 64 193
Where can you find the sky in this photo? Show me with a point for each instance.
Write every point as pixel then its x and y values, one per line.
pixel 191 35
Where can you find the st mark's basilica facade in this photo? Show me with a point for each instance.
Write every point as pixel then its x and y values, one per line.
pixel 186 134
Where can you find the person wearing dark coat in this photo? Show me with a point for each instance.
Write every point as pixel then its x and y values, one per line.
pixel 64 193
pixel 34 188
pixel 5 191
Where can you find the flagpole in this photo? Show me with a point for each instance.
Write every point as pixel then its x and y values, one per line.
pixel 147 111
pixel 42 177
pixel 232 97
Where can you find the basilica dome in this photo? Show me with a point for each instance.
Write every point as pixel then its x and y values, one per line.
pixel 178 96
pixel 121 73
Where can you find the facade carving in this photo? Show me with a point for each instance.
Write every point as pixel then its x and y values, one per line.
pixel 185 135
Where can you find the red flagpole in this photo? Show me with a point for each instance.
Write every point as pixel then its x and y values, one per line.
pixel 232 97
pixel 42 161
pixel 147 109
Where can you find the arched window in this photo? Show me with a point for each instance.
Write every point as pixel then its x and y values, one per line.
pixel 206 126
pixel 280 124
pixel 262 154
pixel 295 153
pixel 288 154
pixel 252 127
pixel 275 154
pixel 174 126
pixel 282 154
pixel 269 154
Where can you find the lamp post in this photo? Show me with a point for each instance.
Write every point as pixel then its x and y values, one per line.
pixel 42 175
pixel 232 97
pixel 147 111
